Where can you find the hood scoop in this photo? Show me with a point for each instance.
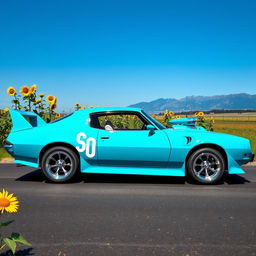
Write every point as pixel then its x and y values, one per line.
pixel 187 121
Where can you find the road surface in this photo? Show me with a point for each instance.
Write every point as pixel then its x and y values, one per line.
pixel 132 215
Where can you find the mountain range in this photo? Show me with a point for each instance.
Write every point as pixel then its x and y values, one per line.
pixel 240 101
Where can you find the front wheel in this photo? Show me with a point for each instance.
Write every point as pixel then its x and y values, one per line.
pixel 60 164
pixel 206 166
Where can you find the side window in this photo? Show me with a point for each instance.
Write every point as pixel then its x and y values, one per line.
pixel 118 122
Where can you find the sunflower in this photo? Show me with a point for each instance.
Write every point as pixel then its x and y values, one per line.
pixel 8 202
pixel 84 107
pixel 11 91
pixel 50 99
pixel 58 115
pixel 171 113
pixel 177 117
pixel 166 112
pixel 38 100
pixel 6 110
pixel 78 106
pixel 41 95
pixel 200 114
pixel 25 91
pixel 33 88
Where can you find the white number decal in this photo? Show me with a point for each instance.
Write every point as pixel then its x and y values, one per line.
pixel 90 144
pixel 79 141
pixel 87 145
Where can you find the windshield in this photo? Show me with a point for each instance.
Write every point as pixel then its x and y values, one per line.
pixel 156 123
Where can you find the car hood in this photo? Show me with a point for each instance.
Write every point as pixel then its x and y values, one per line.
pixel 199 135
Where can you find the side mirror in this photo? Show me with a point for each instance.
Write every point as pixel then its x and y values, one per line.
pixel 150 127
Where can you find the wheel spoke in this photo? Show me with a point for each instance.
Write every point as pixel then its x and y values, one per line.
pixel 201 157
pixel 52 158
pixel 64 170
pixel 200 171
pixel 57 172
pixel 51 166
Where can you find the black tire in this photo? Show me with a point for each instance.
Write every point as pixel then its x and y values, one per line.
pixel 206 161
pixel 54 169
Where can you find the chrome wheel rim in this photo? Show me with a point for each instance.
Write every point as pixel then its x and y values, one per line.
pixel 59 165
pixel 207 166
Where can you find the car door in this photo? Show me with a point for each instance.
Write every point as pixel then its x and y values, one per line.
pixel 132 146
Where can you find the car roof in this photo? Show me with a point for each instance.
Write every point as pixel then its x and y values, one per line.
pixel 105 109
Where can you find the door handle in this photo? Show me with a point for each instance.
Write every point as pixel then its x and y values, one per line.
pixel 105 137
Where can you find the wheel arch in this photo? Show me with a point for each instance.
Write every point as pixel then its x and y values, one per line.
pixel 209 145
pixel 56 144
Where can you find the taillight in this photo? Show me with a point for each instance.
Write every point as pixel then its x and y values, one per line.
pixel 8 146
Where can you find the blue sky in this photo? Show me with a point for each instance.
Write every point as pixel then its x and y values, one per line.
pixel 116 53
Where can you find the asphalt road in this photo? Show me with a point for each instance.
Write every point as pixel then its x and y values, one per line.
pixel 133 215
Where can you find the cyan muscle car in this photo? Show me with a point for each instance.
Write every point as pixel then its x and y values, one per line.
pixel 124 141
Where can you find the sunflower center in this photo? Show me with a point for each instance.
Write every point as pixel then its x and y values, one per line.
pixel 4 202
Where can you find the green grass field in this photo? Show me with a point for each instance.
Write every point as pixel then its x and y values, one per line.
pixel 246 129
pixel 3 154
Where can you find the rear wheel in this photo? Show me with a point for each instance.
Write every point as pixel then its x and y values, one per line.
pixel 206 166
pixel 60 164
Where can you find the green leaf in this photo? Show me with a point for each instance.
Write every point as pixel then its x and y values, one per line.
pixel 11 244
pixel 4 224
pixel 19 239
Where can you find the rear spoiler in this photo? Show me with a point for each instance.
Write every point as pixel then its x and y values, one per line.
pixel 22 120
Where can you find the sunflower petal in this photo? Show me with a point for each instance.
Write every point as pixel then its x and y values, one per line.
pixel 9 196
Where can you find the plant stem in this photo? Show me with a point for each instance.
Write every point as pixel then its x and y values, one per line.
pixel 50 115
pixel 2 247
pixel 15 101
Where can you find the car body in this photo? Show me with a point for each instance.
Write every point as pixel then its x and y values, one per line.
pixel 150 150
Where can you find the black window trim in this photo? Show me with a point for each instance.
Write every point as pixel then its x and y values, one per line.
pixel 122 112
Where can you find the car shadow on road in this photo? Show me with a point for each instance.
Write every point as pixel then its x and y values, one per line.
pixel 24 252
pixel 233 179
pixel 37 176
